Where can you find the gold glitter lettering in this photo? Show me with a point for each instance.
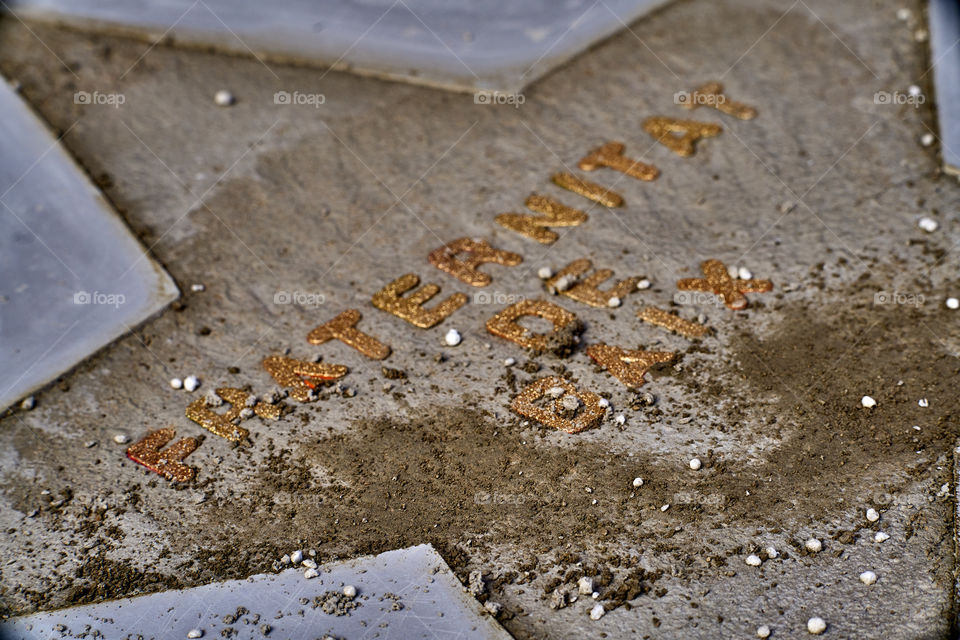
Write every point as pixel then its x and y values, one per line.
pixel 587 189
pixel 505 324
pixel 672 322
pixel 224 425
pixel 479 252
pixel 169 462
pixel 554 213
pixel 665 130
pixel 719 282
pixel 627 366
pixel 343 328
pixel 711 95
pixel 299 375
pixel 611 156
pixel 561 415
pixel 410 308
pixel 567 282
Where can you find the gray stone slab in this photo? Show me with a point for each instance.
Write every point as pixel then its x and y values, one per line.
pixel 72 277
pixel 404 594
pixel 498 45
pixel 945 54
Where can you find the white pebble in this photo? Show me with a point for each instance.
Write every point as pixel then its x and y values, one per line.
pixel 191 383
pixel 570 403
pixel 695 464
pixel 868 577
pixel 562 284
pixel 914 90
pixel 350 591
pixel 772 552
pixel 872 515
pixel 555 392
pixel 452 338
pixel 544 273
pixel 881 536
pixel 904 14
pixel 603 402
pixel 816 626
pixel 310 573
pixel 813 545
pixel 923 402
pixel 953 303
pixel 585 585
pixel 223 98
pixel 868 402
pixel 733 270
pixel 121 438
pixel 744 274
pixel 509 362
pixel 754 560
pixel 198 287
pixel 927 139
pixel 638 482
pixel 921 35
pixel 28 403
pixel 176 383
pixel 597 611
pixel 620 419
pixel 928 224
pixel 614 302
pixel 296 557
pixel 309 564
pixel 664 507
pixel 195 633
pixel 644 284
pixel 763 632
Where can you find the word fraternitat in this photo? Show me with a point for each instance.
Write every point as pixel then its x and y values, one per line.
pixel 552 400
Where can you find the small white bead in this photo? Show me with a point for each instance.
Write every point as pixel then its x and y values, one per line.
pixel 733 270
pixel 928 224
pixel 509 362
pixel 744 273
pixel 868 577
pixel 763 632
pixel 191 383
pixel 913 90
pixel 754 560
pixel 121 438
pixel 772 552
pixel 953 303
pixel 868 402
pixel 223 98
pixel 813 545
pixel 923 402
pixel 296 557
pixel 816 626
pixel 562 284
pixel 614 302
pixel 644 284
pixel 309 564
pixel 197 287
pixel 310 573
pixel 872 515
pixel 195 633
pixel 603 402
pixel 927 139
pixel 452 338
pixel 544 273
pixel 881 536
pixel 176 383
pixel 620 419
pixel 904 14
pixel 28 403
pixel 695 464
pixel 350 591
pixel 664 507
pixel 638 482
pixel 597 611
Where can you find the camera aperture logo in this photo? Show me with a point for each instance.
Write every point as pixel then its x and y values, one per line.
pixel 100 99
pixel 503 499
pixel 110 299
pixel 297 98
pixel 912 97
pixel 898 298
pixel 698 298
pixel 499 98
pixel 300 298
pixel 497 297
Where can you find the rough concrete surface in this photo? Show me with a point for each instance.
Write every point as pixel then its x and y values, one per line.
pixel 821 193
